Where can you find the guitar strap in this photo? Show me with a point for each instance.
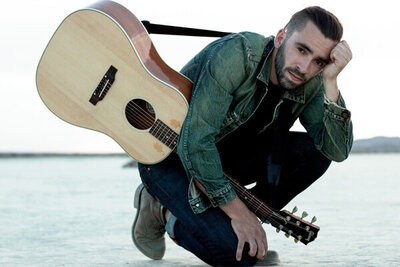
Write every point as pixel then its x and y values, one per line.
pixel 280 136
pixel 173 30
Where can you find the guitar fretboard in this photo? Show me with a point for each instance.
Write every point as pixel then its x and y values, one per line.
pixel 254 203
pixel 164 134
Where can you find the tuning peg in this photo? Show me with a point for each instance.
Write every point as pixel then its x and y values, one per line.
pixel 278 230
pixel 287 235
pixel 314 219
pixel 304 214
pixel 294 209
pixel 298 238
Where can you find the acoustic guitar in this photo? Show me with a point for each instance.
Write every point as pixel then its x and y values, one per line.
pixel 101 71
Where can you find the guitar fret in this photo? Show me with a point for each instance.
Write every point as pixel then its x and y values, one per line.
pixel 164 134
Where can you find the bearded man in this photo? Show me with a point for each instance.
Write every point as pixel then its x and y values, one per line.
pixel 243 85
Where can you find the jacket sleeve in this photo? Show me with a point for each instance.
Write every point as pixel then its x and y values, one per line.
pixel 219 74
pixel 330 126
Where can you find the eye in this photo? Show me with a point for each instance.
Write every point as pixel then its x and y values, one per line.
pixel 301 50
pixel 320 63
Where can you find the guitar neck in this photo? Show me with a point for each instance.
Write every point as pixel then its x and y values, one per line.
pixel 262 210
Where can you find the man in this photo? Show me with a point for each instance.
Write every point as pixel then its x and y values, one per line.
pixel 242 84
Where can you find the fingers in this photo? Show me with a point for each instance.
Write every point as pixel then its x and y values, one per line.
pixel 262 250
pixel 342 54
pixel 262 246
pixel 253 248
pixel 239 250
pixel 257 248
pixel 264 240
pixel 347 49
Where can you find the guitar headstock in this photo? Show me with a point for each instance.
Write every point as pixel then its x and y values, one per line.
pixel 295 226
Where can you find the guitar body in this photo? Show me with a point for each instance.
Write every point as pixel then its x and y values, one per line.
pixel 73 80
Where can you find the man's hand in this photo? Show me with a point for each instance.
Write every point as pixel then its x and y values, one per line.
pixel 340 56
pixel 247 229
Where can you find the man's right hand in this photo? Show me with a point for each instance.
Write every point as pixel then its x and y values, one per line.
pixel 247 228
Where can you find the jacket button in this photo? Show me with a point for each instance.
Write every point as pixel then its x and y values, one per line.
pixel 244 115
pixel 345 114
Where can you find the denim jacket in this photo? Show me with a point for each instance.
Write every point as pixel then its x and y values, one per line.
pixel 225 95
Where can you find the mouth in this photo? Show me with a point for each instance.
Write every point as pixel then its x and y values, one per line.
pixel 295 77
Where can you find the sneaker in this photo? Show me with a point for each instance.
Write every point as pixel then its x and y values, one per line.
pixel 272 258
pixel 149 226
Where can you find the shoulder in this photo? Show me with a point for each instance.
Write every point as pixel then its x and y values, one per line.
pixel 231 57
pixel 242 43
pixel 243 48
pixel 251 43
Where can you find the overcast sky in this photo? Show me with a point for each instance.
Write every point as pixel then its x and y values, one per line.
pixel 369 84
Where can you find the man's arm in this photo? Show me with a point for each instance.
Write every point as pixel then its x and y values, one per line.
pixel 340 56
pixel 326 118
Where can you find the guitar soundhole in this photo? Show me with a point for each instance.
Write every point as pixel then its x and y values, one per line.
pixel 140 114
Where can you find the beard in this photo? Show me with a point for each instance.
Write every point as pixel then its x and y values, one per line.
pixel 280 70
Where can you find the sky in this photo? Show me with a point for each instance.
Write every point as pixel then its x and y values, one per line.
pixel 368 84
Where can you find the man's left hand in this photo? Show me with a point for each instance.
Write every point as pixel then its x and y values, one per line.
pixel 340 56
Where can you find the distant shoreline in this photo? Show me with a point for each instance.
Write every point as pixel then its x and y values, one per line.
pixel 52 155
pixel 73 155
pixel 375 145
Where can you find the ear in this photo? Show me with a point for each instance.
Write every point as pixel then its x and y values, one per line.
pixel 280 36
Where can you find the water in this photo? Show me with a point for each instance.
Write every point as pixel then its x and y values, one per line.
pixel 77 211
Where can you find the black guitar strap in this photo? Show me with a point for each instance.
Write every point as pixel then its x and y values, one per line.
pixel 173 30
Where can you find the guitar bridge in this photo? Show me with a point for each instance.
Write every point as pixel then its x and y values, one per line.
pixel 103 86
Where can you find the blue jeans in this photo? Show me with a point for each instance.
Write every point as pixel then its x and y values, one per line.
pixel 209 235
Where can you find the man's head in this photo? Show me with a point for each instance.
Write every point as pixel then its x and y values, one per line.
pixel 303 47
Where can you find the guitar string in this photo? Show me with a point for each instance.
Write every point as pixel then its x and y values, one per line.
pixel 257 207
pixel 168 133
pixel 169 137
pixel 270 217
pixel 248 194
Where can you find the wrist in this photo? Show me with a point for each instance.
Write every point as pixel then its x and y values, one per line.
pixel 235 208
pixel 331 89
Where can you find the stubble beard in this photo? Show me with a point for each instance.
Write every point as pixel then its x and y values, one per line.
pixel 280 69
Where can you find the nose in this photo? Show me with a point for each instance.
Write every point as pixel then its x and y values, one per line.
pixel 304 64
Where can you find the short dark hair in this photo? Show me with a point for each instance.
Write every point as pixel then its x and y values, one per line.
pixel 326 22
